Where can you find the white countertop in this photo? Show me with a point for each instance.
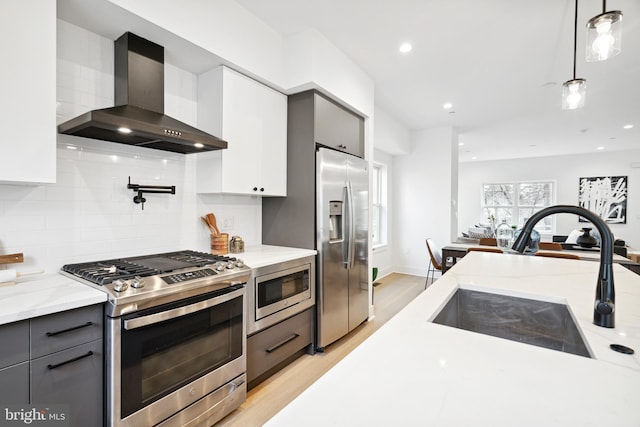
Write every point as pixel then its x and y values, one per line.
pixel 34 296
pixel 413 372
pixel 259 256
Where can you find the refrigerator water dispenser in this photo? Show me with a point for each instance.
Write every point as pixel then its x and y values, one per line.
pixel 335 221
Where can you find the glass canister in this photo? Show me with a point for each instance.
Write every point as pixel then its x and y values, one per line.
pixel 236 245
pixel 504 235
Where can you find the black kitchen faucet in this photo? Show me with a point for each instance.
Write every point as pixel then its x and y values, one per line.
pixel 604 305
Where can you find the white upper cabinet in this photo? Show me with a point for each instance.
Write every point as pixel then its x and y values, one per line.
pixel 28 87
pixel 252 118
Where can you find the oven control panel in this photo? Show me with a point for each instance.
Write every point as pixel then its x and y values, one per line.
pixel 189 275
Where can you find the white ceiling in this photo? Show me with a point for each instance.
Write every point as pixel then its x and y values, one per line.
pixel 500 62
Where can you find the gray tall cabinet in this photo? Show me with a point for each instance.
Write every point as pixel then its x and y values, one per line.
pixel 312 119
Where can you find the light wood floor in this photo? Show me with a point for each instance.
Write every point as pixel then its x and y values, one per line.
pixel 391 294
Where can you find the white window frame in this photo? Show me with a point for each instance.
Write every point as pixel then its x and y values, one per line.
pixel 379 205
pixel 549 229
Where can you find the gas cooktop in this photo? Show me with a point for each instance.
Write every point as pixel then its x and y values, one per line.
pixel 105 272
pixel 149 280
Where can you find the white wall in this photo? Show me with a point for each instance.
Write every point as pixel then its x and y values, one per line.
pixel 247 44
pixel 565 171
pixel 89 213
pixel 422 197
pixel 391 138
pixel 222 27
pixel 383 255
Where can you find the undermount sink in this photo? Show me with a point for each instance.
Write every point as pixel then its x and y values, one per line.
pixel 541 323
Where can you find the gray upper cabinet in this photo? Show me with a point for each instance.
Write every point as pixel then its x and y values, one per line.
pixel 337 127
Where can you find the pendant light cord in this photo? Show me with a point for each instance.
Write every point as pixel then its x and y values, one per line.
pixel 575 39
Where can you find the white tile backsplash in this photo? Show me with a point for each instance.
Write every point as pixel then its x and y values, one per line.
pixel 89 213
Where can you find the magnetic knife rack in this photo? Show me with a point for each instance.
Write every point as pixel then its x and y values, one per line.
pixel 141 189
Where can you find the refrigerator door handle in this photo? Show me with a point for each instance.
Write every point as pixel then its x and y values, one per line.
pixel 348 253
pixel 346 229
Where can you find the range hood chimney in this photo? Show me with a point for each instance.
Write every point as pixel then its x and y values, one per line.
pixel 138 117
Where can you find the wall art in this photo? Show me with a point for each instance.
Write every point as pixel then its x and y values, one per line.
pixel 606 196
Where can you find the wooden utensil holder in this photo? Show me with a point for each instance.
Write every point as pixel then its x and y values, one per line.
pixel 220 244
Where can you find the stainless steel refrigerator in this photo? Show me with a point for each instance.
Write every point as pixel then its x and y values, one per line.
pixel 342 229
pixel 326 208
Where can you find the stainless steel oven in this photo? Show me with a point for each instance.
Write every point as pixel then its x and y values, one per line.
pixel 176 337
pixel 170 356
pixel 279 291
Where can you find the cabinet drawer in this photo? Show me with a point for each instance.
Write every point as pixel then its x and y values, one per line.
pixel 14 384
pixel 18 335
pixel 275 344
pixel 71 377
pixel 64 330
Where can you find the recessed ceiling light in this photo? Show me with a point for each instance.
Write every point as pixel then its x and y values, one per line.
pixel 124 130
pixel 405 47
pixel 627 126
pixel 198 145
pixel 72 147
pixel 447 106
pixel 600 148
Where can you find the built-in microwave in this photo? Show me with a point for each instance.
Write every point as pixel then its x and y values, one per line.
pixel 280 291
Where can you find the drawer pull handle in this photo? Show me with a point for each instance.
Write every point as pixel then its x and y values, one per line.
pixel 281 343
pixel 53 334
pixel 57 365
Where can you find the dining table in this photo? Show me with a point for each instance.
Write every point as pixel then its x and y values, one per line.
pixel 456 250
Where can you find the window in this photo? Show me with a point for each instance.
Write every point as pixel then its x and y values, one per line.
pixel 515 202
pixel 379 205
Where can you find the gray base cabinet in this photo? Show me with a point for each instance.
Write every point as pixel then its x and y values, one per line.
pixel 14 384
pixel 56 359
pixel 268 349
pixel 71 377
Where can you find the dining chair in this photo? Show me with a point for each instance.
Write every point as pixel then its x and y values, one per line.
pixel 435 260
pixel 487 249
pixel 557 255
pixel 550 246
pixel 488 241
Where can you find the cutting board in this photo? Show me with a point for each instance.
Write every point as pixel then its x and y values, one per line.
pixel 11 258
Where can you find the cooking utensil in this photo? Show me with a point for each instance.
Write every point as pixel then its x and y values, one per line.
pixel 212 220
pixel 11 258
pixel 212 230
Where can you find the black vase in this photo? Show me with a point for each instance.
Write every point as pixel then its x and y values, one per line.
pixel 586 240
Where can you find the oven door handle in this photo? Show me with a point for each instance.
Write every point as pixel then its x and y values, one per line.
pixel 139 322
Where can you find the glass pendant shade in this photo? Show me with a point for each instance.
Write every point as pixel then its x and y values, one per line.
pixel 604 36
pixel 574 94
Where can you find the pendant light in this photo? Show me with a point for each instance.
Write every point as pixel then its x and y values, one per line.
pixel 574 90
pixel 604 35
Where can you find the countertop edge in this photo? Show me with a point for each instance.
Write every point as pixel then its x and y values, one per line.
pixel 42 295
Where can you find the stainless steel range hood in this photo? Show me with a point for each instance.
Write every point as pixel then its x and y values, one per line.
pixel 138 117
